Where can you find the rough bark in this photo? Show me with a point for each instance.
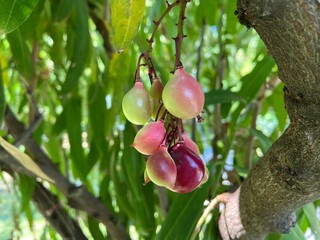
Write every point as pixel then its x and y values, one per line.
pixel 288 176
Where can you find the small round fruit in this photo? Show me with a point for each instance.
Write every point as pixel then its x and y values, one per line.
pixel 149 138
pixel 156 89
pixel 183 96
pixel 161 168
pixel 190 168
pixel 137 105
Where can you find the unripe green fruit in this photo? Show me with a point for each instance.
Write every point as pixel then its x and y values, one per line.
pixel 183 96
pixel 156 89
pixel 137 105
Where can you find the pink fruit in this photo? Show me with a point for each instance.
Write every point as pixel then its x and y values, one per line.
pixel 190 144
pixel 161 168
pixel 137 105
pixel 190 168
pixel 149 138
pixel 183 96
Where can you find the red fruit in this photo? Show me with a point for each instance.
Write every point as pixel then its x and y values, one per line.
pixel 190 168
pixel 190 144
pixel 183 96
pixel 161 168
pixel 137 105
pixel 156 89
pixel 149 138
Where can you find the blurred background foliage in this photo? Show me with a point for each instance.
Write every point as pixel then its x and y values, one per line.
pixel 61 63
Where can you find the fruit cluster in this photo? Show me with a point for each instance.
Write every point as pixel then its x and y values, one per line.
pixel 174 160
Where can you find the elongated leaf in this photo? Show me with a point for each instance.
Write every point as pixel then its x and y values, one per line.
pixel 21 54
pixel 80 46
pixel 183 215
pixel 14 12
pixel 24 159
pixel 222 96
pixel 2 97
pixel 73 115
pixel 265 141
pixel 126 16
pixel 310 212
pixel 295 234
pixel 26 186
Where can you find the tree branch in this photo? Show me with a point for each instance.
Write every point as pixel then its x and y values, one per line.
pixel 287 177
pixel 78 197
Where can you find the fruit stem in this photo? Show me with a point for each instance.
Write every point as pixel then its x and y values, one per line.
pixel 180 35
pixel 180 129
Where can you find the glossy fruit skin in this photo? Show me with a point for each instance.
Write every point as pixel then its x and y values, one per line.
pixel 190 168
pixel 149 138
pixel 161 168
pixel 137 105
pixel 156 89
pixel 183 96
pixel 190 144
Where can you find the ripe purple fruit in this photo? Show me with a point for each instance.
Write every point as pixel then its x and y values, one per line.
pixel 183 96
pixel 190 168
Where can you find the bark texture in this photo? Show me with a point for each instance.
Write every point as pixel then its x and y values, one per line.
pixel 288 176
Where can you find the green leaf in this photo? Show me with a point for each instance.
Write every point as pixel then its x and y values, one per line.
pixel 2 98
pixel 24 160
pixel 222 96
pixel 73 116
pixel 14 12
pixel 21 54
pixel 265 141
pixel 126 16
pixel 295 234
pixel 252 82
pixel 80 47
pixel 94 229
pixel 183 215
pixel 26 186
pixel 310 212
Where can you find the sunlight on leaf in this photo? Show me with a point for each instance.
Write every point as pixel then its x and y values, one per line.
pixel 126 16
pixel 14 12
pixel 24 160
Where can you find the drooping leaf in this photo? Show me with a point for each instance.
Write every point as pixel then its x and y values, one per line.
pixel 310 212
pixel 2 97
pixel 26 186
pixel 183 215
pixel 126 16
pixel 21 54
pixel 222 96
pixel 80 46
pixel 14 12
pixel 24 160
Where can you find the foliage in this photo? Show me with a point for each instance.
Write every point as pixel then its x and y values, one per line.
pixel 58 63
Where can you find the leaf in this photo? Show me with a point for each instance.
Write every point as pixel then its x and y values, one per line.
pixel 126 16
pixel 14 12
pixel 265 141
pixel 24 160
pixel 73 116
pixel 2 98
pixel 21 54
pixel 295 234
pixel 26 186
pixel 310 212
pixel 222 96
pixel 80 47
pixel 184 214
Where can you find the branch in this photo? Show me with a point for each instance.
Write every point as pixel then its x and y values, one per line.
pixel 78 197
pixel 287 177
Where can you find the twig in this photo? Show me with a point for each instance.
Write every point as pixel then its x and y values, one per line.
pixel 222 198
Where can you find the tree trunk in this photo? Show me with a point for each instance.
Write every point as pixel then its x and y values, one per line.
pixel 288 176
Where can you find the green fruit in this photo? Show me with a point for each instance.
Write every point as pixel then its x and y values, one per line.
pixel 137 105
